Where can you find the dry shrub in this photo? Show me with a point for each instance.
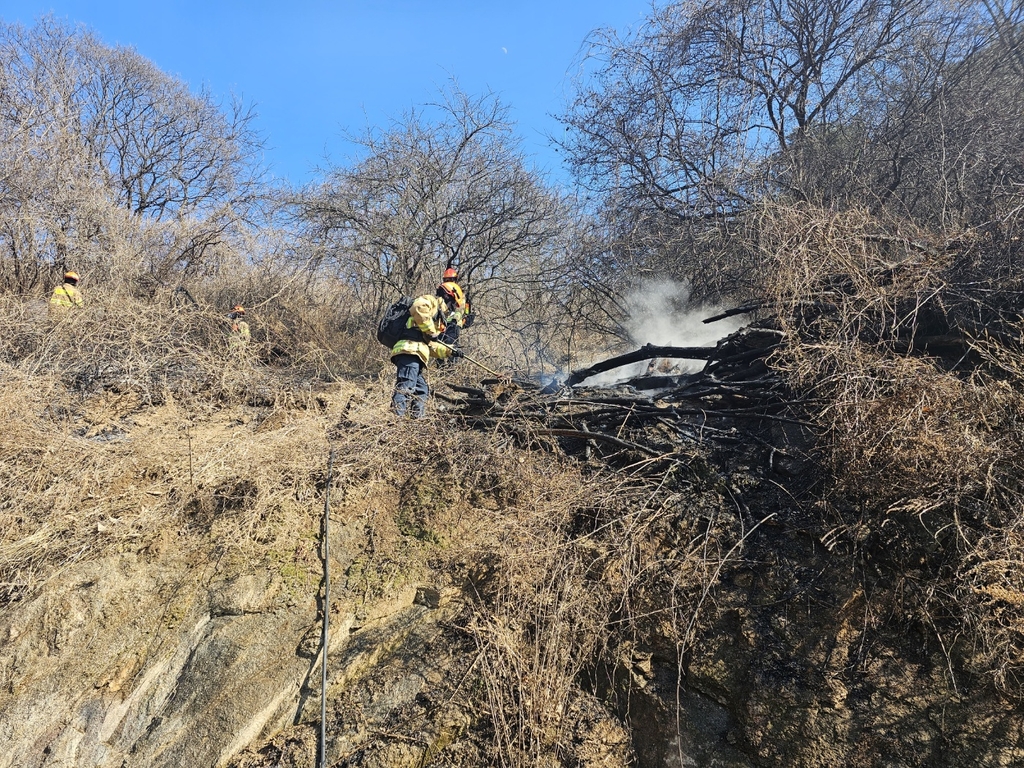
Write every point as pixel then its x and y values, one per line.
pixel 605 565
pixel 900 430
pixel 178 339
pixel 540 621
pixel 118 342
pixel 840 278
pixel 900 343
pixel 318 326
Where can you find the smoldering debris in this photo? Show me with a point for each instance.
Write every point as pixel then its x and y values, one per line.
pixel 659 413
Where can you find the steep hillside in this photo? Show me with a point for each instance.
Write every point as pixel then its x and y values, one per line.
pixel 613 543
pixel 162 571
pixel 807 554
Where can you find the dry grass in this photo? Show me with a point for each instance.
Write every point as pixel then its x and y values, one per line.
pixel 129 419
pixel 121 344
pixel 142 435
pixel 87 475
pixel 603 564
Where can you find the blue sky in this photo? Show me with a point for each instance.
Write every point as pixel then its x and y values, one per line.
pixel 316 69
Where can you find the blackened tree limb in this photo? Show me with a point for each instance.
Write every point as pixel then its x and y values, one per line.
pixel 646 352
pixel 735 311
pixel 587 435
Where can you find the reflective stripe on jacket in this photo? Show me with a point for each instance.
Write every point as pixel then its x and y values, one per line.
pixel 458 315
pixel 426 315
pixel 66 296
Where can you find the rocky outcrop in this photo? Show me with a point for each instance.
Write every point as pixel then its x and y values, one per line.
pixel 129 662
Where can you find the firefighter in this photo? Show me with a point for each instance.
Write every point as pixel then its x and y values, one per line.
pixel 418 345
pixel 238 330
pixel 459 316
pixel 67 295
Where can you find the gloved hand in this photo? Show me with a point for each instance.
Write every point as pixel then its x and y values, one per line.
pixel 469 320
pixel 457 353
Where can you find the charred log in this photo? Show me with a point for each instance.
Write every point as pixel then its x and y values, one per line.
pixel 646 352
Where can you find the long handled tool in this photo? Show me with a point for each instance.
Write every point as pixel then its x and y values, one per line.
pixel 477 363
pixel 325 637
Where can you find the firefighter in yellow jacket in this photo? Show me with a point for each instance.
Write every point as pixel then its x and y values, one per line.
pixel 67 295
pixel 414 350
pixel 238 330
pixel 459 316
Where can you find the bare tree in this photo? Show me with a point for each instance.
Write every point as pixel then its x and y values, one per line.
pixel 97 146
pixel 429 194
pixel 711 107
pixel 685 114
pixel 166 151
pixel 940 140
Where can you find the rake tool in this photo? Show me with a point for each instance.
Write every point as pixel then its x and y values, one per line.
pixel 477 363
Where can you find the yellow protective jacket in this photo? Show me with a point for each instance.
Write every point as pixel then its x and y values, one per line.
pixel 457 316
pixel 239 334
pixel 66 296
pixel 426 321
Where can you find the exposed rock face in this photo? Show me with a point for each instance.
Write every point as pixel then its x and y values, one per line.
pixel 132 662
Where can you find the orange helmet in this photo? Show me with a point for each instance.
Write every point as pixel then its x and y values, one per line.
pixel 238 309
pixel 450 274
pixel 72 276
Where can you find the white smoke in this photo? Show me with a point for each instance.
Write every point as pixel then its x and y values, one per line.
pixel 660 313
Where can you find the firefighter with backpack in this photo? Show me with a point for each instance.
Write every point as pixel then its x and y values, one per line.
pixel 416 327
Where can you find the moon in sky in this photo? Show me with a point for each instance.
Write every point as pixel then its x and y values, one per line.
pixel 504 49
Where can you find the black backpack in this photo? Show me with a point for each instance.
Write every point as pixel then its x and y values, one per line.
pixel 392 325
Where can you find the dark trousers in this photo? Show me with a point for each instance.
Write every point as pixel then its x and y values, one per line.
pixel 410 387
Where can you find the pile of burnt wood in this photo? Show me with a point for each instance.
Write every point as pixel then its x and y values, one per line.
pixel 663 400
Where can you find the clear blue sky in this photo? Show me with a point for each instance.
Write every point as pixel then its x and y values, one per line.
pixel 316 68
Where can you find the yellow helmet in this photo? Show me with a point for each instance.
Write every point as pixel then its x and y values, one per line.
pixel 238 309
pixel 72 277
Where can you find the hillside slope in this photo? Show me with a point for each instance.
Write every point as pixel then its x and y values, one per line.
pixel 825 574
